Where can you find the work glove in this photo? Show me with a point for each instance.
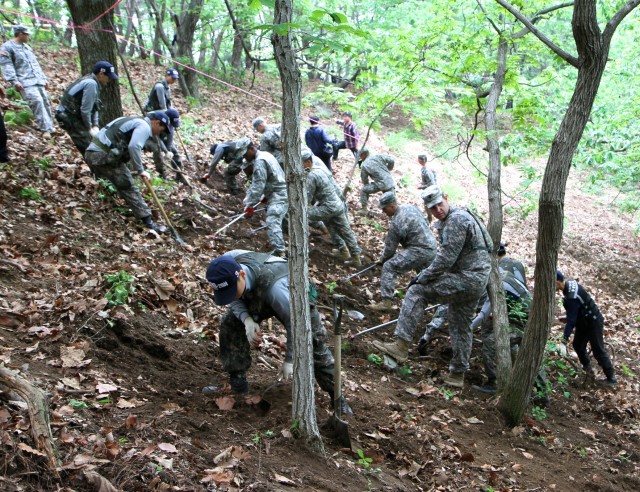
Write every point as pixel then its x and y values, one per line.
pixel 252 329
pixel 286 371
pixel 94 131
pixel 145 175
pixel 380 262
pixel 248 212
pixel 168 155
pixel 562 349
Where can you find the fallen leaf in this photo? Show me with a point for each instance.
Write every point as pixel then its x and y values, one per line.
pixel 517 467
pixel 164 289
pixel 529 456
pixel 122 403
pixel 29 449
pixel 131 422
pixel 474 420
pixel 72 357
pixel 218 477
pixel 225 403
pixel 167 447
pixel 105 388
pixel 282 479
pixel 588 432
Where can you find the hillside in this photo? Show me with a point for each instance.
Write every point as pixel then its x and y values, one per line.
pixel 124 382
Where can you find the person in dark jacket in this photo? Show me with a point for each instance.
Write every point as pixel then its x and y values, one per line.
pixel 584 315
pixel 319 141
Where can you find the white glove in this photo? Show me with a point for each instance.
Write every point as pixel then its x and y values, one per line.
pixel 562 349
pixel 168 155
pixel 94 131
pixel 145 175
pixel 286 371
pixel 252 330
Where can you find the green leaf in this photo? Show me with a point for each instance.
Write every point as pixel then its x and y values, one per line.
pixel 78 404
pixel 269 3
pixel 255 4
pixel 338 18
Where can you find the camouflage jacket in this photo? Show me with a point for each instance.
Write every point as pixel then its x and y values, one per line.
pixel 375 167
pixel 321 191
pixel 19 65
pixel 410 229
pixel 428 178
pixel 268 180
pixel 270 142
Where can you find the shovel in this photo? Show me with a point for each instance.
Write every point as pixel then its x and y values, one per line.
pixel 186 153
pixel 339 426
pixel 174 233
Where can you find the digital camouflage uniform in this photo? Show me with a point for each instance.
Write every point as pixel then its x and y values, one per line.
pixel 428 178
pixel 515 267
pixel 409 229
pixel 116 145
pixel 79 110
pixel 457 276
pixel 330 208
pixel 19 65
pixel 376 168
pixel 268 180
pixel 159 98
pixel 267 296
pixel 270 142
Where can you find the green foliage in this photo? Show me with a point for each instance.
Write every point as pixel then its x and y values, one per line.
pixel 404 371
pixel 406 181
pixel 399 140
pixel 375 224
pixel 20 118
pixel 31 194
pixel 120 287
pixel 447 393
pixel 258 437
pixel 538 413
pixel 375 359
pixel 363 460
pixel 43 163
pixel 78 404
pixel 14 95
pixel 332 286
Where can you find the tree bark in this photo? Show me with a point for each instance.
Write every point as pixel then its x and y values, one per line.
pixel 496 292
pixel 303 410
pixel 96 42
pixel 38 408
pixel 593 50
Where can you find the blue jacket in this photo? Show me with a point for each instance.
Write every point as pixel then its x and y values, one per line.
pixel 318 140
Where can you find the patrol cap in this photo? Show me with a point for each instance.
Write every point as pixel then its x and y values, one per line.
pixel 314 119
pixel 20 29
pixel 388 198
pixel 432 196
pixel 106 68
pixel 241 147
pixel 363 150
pixel 223 273
pixel 173 73
pixel 390 164
pixel 174 117
pixel 422 157
pixel 559 276
pixel 306 154
pixel 257 122
pixel 162 117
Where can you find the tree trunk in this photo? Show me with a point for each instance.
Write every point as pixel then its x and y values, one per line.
pixel 215 56
pixel 185 31
pixel 95 44
pixel 593 50
pixel 127 35
pixel 496 292
pixel 303 410
pixel 236 53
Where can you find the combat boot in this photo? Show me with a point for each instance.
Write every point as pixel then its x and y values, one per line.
pixel 342 253
pixel 398 349
pixel 610 381
pixel 489 388
pixel 355 261
pixel 238 382
pixel 384 305
pixel 455 379
pixel 148 222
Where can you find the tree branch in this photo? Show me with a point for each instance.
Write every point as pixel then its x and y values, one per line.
pixel 618 17
pixel 572 60
pixel 493 24
pixel 538 16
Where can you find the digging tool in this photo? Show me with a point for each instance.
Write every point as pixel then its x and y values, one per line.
pixel 264 405
pixel 339 426
pixel 345 280
pixel 188 156
pixel 388 323
pixel 242 213
pixel 174 233
pixel 253 231
pixel 236 219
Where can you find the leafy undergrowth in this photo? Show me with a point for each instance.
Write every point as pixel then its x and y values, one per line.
pixel 112 321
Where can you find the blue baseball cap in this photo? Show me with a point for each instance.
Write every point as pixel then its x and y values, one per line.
pixel 105 67
pixel 173 73
pixel 162 117
pixel 223 273
pixel 174 117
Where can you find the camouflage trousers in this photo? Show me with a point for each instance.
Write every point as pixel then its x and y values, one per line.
pixel 402 262
pixel 235 350
pixel 461 292
pixel 77 130
pixel 437 322
pixel 38 100
pixel 121 178
pixel 230 173
pixel 339 228
pixel 276 211
pixel 370 189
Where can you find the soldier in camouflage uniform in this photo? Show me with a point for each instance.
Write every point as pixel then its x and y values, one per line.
pixel 457 276
pixel 510 265
pixel 377 168
pixel 230 152
pixel 21 68
pixel 330 207
pixel 256 288
pixel 270 139
pixel 409 229
pixel 268 186
pixel 160 96
pixel 78 113
pixel 120 144
pixel 428 178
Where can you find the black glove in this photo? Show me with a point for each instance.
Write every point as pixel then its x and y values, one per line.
pixel 380 262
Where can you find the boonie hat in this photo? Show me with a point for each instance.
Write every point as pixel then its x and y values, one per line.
pixel 173 73
pixel 241 147
pixel 223 273
pixel 20 29
pixel 388 198
pixel 107 68
pixel 432 196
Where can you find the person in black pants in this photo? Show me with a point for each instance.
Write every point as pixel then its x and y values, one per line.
pixel 4 153
pixel 584 315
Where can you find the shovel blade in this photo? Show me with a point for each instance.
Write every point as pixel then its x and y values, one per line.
pixel 340 430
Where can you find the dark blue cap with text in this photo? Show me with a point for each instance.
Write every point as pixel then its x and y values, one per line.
pixel 223 273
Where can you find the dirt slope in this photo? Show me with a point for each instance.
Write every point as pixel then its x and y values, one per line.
pixel 125 382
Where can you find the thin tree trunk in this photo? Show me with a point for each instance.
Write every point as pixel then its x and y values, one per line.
pixel 303 410
pixel 496 292
pixel 215 56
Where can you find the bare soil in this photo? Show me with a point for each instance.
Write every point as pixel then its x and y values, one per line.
pixel 125 382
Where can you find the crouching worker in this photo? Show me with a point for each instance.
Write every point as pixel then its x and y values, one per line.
pixel 120 143
pixel 256 288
